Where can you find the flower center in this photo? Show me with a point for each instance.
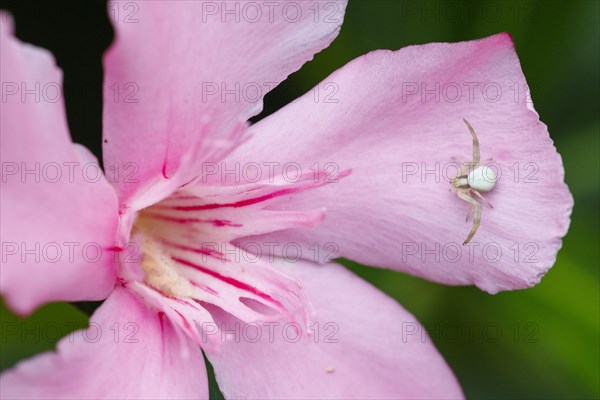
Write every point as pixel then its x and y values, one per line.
pixel 160 271
pixel 189 259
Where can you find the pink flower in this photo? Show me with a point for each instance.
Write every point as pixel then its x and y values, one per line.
pixel 211 204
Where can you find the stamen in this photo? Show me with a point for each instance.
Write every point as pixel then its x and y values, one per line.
pixel 160 272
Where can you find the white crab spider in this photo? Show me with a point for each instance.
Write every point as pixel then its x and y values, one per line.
pixel 474 179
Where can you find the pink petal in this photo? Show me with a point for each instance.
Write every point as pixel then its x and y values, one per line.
pixel 389 212
pixel 165 112
pixel 363 345
pixel 128 351
pixel 59 219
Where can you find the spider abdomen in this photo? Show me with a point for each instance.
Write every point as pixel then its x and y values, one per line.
pixel 482 179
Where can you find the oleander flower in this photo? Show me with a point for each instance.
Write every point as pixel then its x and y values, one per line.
pixel 198 209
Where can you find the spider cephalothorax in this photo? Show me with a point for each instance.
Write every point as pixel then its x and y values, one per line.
pixel 473 178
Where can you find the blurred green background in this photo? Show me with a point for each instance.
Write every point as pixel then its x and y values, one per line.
pixel 538 343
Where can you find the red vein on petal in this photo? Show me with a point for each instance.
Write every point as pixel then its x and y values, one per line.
pixel 161 315
pixel 241 203
pixel 231 281
pixel 174 298
pixel 208 252
pixel 184 319
pixel 205 288
pixel 259 199
pixel 215 222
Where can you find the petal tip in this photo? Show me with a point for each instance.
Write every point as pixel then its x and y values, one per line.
pixel 507 38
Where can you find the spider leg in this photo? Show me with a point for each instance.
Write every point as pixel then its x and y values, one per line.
pixel 461 169
pixel 475 144
pixel 476 213
pixel 469 210
pixel 460 162
pixel 485 201
pixel 465 166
